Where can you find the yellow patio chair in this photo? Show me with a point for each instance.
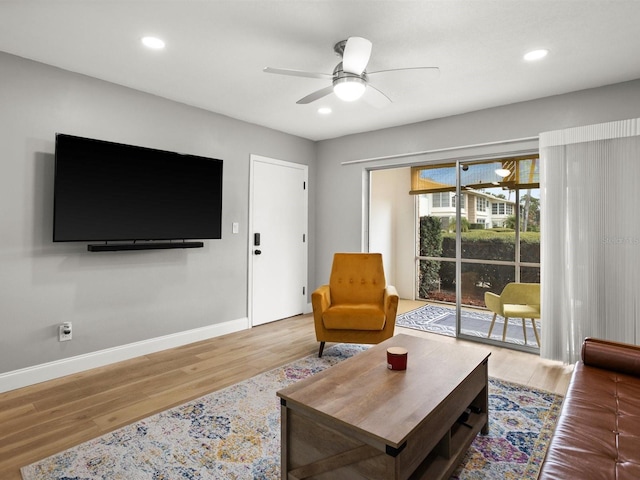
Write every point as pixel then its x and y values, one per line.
pixel 517 300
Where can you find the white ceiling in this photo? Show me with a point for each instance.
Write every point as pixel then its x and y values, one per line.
pixel 216 50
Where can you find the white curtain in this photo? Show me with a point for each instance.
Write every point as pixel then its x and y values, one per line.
pixel 590 236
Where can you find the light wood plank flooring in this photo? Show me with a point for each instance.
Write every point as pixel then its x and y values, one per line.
pixel 43 419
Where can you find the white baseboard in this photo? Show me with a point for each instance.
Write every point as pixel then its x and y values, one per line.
pixel 60 368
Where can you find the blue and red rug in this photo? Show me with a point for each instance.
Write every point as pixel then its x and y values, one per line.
pixel 235 434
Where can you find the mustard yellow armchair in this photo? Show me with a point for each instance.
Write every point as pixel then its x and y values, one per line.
pixel 517 300
pixel 357 306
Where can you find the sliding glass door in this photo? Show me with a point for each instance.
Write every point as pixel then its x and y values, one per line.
pixel 478 230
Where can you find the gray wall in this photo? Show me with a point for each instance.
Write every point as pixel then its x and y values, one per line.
pixel 114 298
pixel 339 216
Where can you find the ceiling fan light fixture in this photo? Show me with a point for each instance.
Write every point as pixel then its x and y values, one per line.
pixel 349 89
pixel 349 80
pixel 503 172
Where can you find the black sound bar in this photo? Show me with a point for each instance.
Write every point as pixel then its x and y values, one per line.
pixel 114 247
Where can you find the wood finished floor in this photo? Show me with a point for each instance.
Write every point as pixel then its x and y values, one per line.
pixel 43 419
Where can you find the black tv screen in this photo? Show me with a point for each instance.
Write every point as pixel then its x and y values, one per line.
pixel 105 191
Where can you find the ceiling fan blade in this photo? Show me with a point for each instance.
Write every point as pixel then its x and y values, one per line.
pixel 312 97
pixel 297 73
pixel 375 97
pixel 431 71
pixel 356 55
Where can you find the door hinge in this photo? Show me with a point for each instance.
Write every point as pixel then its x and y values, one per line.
pixel 304 185
pixel 304 290
pixel 304 237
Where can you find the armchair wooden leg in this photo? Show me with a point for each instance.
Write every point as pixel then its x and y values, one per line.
pixel 504 329
pixel 321 349
pixel 535 330
pixel 524 331
pixel 493 321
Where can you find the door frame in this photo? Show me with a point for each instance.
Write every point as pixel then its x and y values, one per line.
pixel 250 257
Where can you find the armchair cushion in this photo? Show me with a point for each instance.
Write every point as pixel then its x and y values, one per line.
pixel 355 316
pixel 510 310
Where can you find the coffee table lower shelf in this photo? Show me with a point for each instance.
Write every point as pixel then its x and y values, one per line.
pixel 444 459
pixel 346 458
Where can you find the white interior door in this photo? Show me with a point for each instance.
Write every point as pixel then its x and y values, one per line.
pixel 278 259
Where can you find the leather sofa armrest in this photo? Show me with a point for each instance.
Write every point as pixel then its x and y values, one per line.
pixel 615 356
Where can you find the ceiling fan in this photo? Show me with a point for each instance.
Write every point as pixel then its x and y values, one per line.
pixel 349 79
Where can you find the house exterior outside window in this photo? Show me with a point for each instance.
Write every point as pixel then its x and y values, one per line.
pixel 501 208
pixel 484 208
pixel 441 200
pixel 453 201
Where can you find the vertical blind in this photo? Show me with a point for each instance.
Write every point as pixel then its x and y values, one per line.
pixel 590 237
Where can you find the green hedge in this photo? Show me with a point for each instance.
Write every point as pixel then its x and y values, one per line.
pixel 430 246
pixel 489 244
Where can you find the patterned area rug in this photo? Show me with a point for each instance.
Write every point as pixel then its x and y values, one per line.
pixel 235 434
pixel 442 320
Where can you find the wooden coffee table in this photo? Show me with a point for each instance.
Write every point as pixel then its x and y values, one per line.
pixel 360 420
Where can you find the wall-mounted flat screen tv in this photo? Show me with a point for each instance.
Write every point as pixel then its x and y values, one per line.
pixel 105 191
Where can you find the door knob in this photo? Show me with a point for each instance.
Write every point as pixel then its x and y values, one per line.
pixel 257 252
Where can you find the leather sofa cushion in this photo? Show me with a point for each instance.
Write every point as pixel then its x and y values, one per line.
pixel 598 433
pixel 357 316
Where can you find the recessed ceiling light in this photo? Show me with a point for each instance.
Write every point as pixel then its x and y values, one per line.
pixel 536 55
pixel 153 42
pixel 324 110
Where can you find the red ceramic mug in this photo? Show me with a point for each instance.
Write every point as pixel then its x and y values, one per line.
pixel 397 358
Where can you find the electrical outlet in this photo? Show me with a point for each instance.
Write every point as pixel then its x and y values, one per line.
pixel 64 332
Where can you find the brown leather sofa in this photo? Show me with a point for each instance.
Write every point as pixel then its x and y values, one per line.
pixel 598 432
